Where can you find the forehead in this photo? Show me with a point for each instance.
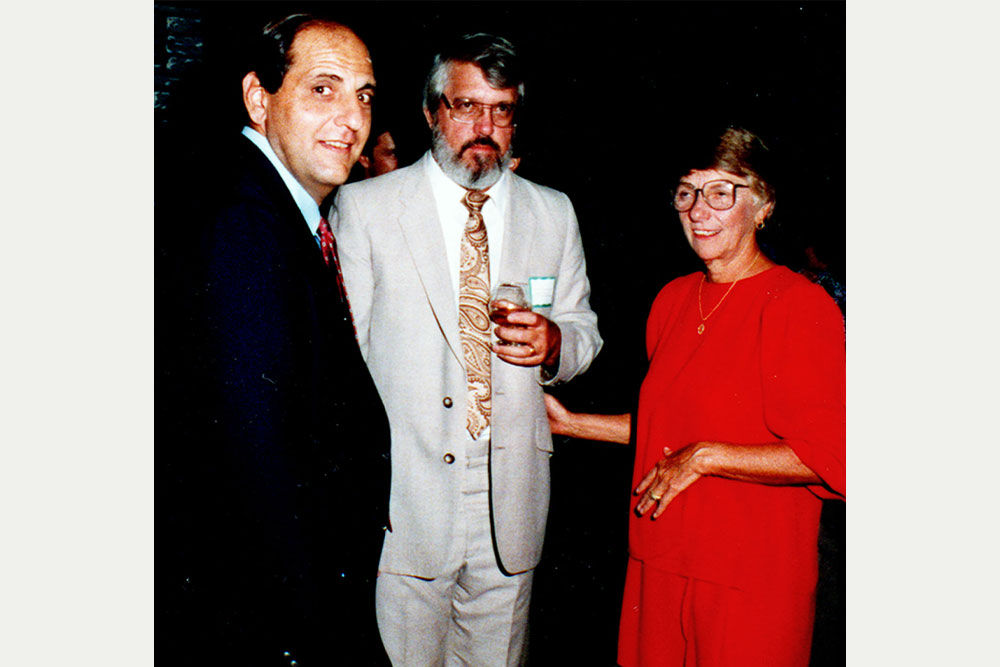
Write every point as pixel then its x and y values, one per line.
pixel 698 177
pixel 467 80
pixel 331 46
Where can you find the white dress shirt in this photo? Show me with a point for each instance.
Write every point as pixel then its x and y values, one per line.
pixel 453 215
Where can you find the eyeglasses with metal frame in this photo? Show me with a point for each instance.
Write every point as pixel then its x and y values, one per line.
pixel 719 195
pixel 468 111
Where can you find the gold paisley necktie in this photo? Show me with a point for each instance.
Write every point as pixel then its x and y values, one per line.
pixel 473 314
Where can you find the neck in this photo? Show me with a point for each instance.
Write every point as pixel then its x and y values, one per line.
pixel 320 195
pixel 744 266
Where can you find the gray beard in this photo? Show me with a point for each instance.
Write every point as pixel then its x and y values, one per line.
pixel 483 175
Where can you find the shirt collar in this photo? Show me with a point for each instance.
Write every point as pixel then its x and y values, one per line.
pixel 307 205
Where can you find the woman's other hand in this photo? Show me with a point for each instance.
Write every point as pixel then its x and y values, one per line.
pixel 774 464
pixel 672 474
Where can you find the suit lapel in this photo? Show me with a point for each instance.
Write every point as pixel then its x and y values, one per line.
pixel 520 225
pixel 293 229
pixel 301 249
pixel 418 220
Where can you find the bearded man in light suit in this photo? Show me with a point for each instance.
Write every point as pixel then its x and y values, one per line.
pixel 470 454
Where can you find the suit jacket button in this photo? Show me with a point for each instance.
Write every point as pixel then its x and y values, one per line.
pixel 449 459
pixel 447 401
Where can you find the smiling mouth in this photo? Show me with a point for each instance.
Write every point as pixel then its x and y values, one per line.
pixel 704 233
pixel 339 145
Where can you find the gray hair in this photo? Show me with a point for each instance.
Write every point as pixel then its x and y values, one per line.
pixel 494 55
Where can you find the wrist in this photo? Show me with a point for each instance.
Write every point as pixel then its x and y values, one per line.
pixel 705 457
pixel 584 426
pixel 551 361
pixel 548 373
pixel 571 426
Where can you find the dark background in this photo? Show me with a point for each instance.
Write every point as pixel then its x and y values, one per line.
pixel 610 86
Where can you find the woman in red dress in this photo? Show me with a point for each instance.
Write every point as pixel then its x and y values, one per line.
pixel 740 434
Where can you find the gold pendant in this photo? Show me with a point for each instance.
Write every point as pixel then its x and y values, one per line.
pixel 701 328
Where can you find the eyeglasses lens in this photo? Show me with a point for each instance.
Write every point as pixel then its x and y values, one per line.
pixel 717 194
pixel 467 111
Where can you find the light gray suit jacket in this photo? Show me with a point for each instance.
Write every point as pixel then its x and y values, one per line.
pixel 395 266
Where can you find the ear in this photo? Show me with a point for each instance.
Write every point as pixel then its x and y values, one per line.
pixel 364 161
pixel 255 99
pixel 764 213
pixel 429 117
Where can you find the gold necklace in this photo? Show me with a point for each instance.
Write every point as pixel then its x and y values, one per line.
pixel 701 327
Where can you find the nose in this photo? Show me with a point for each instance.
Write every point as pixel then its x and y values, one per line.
pixel 700 210
pixel 484 123
pixel 351 115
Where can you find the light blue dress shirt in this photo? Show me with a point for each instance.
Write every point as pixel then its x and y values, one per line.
pixel 304 200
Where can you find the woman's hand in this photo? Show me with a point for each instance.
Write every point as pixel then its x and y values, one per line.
pixel 560 419
pixel 773 464
pixel 672 474
pixel 606 428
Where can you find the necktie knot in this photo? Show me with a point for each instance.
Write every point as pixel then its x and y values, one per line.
pixel 474 200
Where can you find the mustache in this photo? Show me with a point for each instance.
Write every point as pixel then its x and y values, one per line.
pixel 480 141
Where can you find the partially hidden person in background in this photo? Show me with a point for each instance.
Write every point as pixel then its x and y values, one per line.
pixel 740 434
pixel 422 247
pixel 379 154
pixel 279 492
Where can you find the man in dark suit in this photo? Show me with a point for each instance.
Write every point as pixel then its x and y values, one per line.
pixel 273 496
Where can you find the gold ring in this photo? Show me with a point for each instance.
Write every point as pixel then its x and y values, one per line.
pixel 656 498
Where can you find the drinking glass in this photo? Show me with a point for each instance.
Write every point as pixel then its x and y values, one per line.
pixel 506 298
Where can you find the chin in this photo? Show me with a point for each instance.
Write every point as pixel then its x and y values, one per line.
pixel 337 176
pixel 480 164
pixel 698 247
pixel 705 254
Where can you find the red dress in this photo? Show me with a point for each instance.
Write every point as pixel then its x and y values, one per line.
pixel 770 366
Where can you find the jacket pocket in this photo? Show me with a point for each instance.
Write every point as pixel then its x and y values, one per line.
pixel 543 436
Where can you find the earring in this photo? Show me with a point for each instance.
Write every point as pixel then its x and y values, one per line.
pixel 759 225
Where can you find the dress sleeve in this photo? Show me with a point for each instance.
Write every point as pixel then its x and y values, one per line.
pixel 803 376
pixel 662 309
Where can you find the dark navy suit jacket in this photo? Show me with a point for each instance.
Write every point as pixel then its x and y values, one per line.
pixel 273 474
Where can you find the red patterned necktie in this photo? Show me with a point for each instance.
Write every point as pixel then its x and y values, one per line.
pixel 329 246
pixel 473 314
